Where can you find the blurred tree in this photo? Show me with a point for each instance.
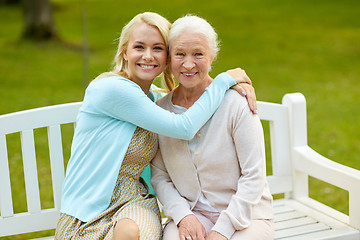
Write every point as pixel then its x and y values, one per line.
pixel 9 2
pixel 39 24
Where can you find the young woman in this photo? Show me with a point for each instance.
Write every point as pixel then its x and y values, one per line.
pixel 103 194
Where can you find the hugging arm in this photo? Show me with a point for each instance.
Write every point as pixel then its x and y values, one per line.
pixel 122 99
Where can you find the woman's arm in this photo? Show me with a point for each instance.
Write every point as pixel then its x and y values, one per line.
pixel 124 100
pixel 248 138
pixel 174 205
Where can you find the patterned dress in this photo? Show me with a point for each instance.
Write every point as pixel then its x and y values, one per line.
pixel 130 198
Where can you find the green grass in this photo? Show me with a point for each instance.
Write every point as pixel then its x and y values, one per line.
pixel 305 46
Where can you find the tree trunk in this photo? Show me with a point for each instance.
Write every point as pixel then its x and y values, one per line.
pixel 10 2
pixel 39 23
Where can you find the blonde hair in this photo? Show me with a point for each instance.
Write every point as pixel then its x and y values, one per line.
pixel 120 64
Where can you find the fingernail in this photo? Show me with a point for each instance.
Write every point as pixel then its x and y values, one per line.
pixel 243 93
pixel 256 111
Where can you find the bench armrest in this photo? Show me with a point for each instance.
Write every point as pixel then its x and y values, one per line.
pixel 308 161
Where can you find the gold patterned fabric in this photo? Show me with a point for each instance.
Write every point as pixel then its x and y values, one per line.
pixel 130 198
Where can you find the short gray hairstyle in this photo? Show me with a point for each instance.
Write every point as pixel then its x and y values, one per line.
pixel 195 24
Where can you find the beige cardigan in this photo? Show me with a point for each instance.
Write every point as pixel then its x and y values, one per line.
pixel 229 168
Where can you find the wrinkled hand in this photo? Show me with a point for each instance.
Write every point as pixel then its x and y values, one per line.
pixel 215 236
pixel 190 226
pixel 239 75
pixel 244 87
pixel 247 91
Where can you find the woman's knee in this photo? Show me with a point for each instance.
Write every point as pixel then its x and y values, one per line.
pixel 126 229
pixel 258 230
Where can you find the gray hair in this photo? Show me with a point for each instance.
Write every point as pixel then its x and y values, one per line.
pixel 195 24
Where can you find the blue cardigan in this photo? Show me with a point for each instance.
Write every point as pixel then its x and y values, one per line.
pixel 111 110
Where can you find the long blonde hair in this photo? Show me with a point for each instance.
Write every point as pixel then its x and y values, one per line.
pixel 120 64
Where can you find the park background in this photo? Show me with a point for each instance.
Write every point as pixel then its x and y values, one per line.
pixel 307 46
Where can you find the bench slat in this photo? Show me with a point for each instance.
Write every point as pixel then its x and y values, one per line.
pixel 288 216
pixel 278 209
pixel 298 222
pixel 301 231
pixel 39 117
pixel 279 184
pixel 30 171
pixel 6 205
pixel 276 114
pixel 56 162
pixel 25 222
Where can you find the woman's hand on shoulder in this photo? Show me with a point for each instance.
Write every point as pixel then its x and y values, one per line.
pixel 244 87
pixel 239 75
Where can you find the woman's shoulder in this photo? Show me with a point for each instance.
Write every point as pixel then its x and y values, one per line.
pixel 110 80
pixel 236 105
pixel 112 84
pixel 165 100
pixel 232 97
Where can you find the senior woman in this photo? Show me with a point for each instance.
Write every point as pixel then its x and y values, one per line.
pixel 214 185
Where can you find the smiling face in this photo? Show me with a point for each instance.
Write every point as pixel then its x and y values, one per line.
pixel 146 54
pixel 191 59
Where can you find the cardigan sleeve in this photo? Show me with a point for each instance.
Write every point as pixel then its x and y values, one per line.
pixel 124 100
pixel 174 204
pixel 248 138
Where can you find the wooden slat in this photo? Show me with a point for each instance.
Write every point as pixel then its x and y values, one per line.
pixel 301 231
pixel 294 223
pixel 39 117
pixel 30 171
pixel 279 209
pixel 56 162
pixel 279 184
pixel 288 216
pixel 24 222
pixel 280 141
pixel 6 204
pixel 277 115
pixel 269 111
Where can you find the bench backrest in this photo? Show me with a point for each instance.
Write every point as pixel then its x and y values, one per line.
pixel 25 122
pixel 52 118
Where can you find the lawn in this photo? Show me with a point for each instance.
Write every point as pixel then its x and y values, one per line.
pixel 312 47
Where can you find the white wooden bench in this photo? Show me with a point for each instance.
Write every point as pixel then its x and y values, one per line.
pixel 297 216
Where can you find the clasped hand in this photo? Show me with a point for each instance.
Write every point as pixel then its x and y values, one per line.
pixel 190 228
